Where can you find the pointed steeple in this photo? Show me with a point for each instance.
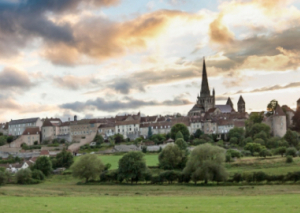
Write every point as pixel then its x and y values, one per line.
pixel 241 100
pixel 229 102
pixel 204 85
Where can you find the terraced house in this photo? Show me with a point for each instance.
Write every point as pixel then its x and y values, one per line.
pixel 17 127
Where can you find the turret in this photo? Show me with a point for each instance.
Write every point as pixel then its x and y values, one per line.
pixel 229 102
pixel 241 105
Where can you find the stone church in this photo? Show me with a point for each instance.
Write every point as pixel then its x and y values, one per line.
pixel 207 101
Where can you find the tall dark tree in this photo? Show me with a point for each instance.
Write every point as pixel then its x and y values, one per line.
pixel 296 119
pixel 150 132
pixel 64 159
pixel 44 164
pixel 183 129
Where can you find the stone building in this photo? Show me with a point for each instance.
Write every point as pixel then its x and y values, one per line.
pixel 289 115
pixel 17 127
pixel 277 122
pixel 241 105
pixel 128 125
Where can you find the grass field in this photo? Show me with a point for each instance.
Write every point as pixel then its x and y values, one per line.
pixel 284 203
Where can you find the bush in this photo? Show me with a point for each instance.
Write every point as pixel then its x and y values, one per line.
pixel 197 141
pixel 291 151
pixel 148 176
pixel 246 153
pixel 280 150
pixel 248 177
pixel 237 177
pixel 38 175
pixel 181 144
pixel 169 176
pixel 24 176
pixel 172 157
pixel 156 180
pixel 264 153
pixel 4 177
pixel 107 167
pixel 289 159
pixel 183 178
pixel 234 140
pixel 228 158
pixel 259 176
pixel 293 176
pixel 144 149
pixel 234 153
pixel 44 164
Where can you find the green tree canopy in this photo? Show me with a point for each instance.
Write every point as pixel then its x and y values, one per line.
pixel 64 159
pixel 254 147
pixel 24 176
pixel 181 144
pixel 150 132
pixel 44 164
pixel 273 142
pixel 99 139
pixel 87 167
pixel 257 128
pixel 238 133
pixel 132 166
pixel 179 135
pixel 198 133
pixel 172 157
pixel 261 135
pixel 206 163
pixel 256 117
pixel 183 129
pixel 118 138
pixel 292 138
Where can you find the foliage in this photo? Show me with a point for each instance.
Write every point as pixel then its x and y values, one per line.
pixel 205 163
pixel 64 159
pixel 169 176
pixel 296 119
pixel 289 159
pixel 254 147
pixel 9 139
pixel 150 132
pixel 272 106
pixel 182 128
pixel 198 141
pixel 118 138
pixel 264 153
pixel 4 176
pixel 234 153
pixel 132 166
pixel 261 135
pixel 272 142
pixel 158 138
pixel 228 158
pixel 247 140
pixel 144 149
pixel 259 176
pixel 291 151
pixel 107 167
pixel 38 175
pixel 237 177
pixel 234 140
pixel 181 144
pixel 258 127
pixel 11 159
pixel 198 133
pixel 2 140
pixel 280 150
pixel 292 138
pixel 88 167
pixel 44 164
pixel 99 139
pixel 259 141
pixel 238 133
pixel 172 157
pixel 256 117
pixel 24 176
pixel 179 135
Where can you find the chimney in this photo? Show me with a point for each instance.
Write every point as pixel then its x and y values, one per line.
pixel 75 117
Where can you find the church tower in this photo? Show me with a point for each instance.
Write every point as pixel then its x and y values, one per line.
pixel 206 100
pixel 241 105
pixel 298 103
pixel 229 102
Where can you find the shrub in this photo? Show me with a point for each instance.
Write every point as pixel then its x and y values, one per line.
pixel 44 164
pixel 197 141
pixel 156 180
pixel 264 153
pixel 4 176
pixel 144 149
pixel 291 151
pixel 228 158
pixel 234 140
pixel 237 177
pixel 248 177
pixel 289 159
pixel 38 175
pixel 181 144
pixel 246 153
pixel 107 167
pixel 234 153
pixel 148 176
pixel 259 176
pixel 280 150
pixel 183 178
pixel 169 176
pixel 293 176
pixel 24 176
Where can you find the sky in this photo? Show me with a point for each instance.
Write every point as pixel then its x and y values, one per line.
pixel 99 58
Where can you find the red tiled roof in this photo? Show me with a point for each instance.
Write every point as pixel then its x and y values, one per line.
pixel 44 152
pixel 31 131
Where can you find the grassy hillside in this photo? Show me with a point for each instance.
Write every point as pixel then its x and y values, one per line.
pixel 284 203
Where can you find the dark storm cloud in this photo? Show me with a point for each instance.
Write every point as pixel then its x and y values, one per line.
pixel 24 20
pixel 127 103
pixel 15 80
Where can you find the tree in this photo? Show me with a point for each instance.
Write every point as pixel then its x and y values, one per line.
pixel 179 135
pixel 172 157
pixel 181 144
pixel 260 141
pixel 238 133
pixel 150 132
pixel 261 135
pixel 292 138
pixel 254 147
pixel 132 166
pixel 257 128
pixel 280 150
pixel 9 139
pixel 198 133
pixel 99 139
pixel 38 175
pixel 291 152
pixel 272 106
pixel 64 159
pixel 206 163
pixel 2 140
pixel 296 119
pixel 44 164
pixel 272 142
pixel 247 140
pixel 4 177
pixel 183 129
pixel 24 176
pixel 264 153
pixel 256 117
pixel 118 138
pixel 87 167
pixel 234 140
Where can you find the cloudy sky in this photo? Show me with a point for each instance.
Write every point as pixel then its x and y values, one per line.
pixel 97 58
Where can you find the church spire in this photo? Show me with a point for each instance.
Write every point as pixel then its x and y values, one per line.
pixel 204 85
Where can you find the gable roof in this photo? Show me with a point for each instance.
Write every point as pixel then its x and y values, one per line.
pixel 224 108
pixel 23 121
pixel 287 108
pixel 278 111
pixel 31 131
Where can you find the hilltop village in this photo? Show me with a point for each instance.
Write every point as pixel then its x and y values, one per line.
pixel 206 115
